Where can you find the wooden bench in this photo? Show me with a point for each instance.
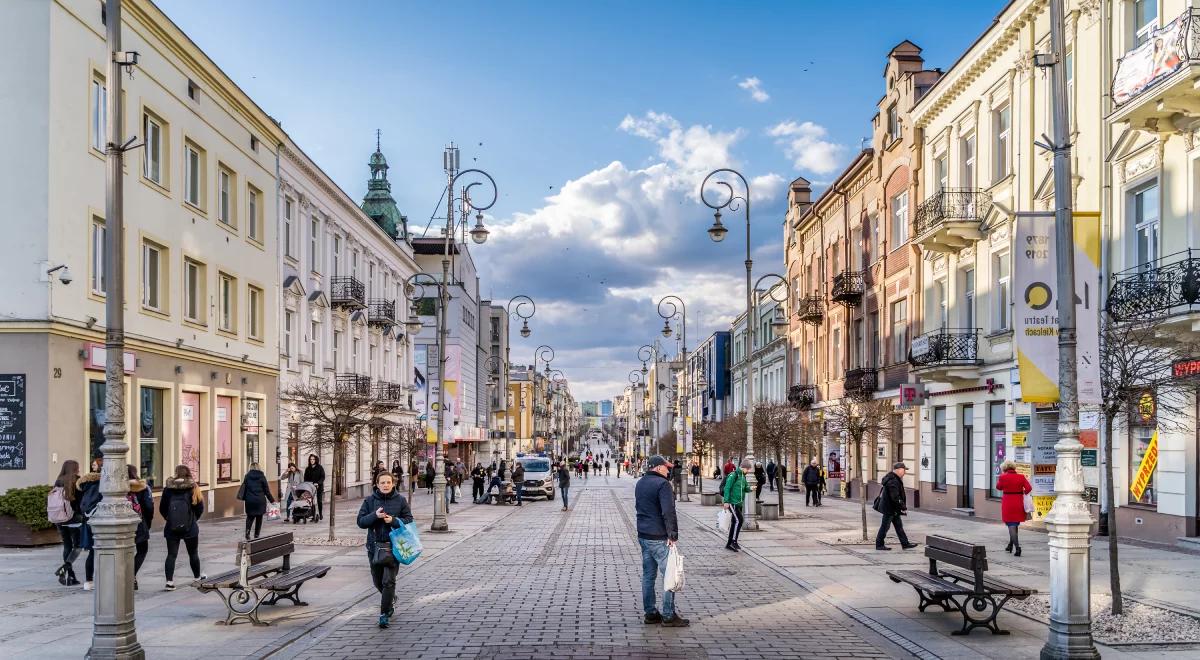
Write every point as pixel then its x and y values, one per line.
pixel 979 598
pixel 256 582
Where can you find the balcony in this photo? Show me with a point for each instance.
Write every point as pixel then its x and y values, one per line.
pixel 848 288
pixel 389 393
pixel 811 310
pixel 353 385
pixel 347 292
pixel 381 312
pixel 1153 86
pixel 860 381
pixel 950 219
pixel 947 354
pixel 802 396
pixel 1165 291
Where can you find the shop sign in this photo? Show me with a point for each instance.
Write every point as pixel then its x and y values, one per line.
pixel 1145 469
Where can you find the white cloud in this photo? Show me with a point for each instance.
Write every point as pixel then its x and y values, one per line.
pixel 806 145
pixel 754 86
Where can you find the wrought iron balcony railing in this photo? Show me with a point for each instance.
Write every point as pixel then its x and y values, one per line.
pixel 848 287
pixel 346 291
pixel 945 347
pixel 381 312
pixel 353 384
pixel 802 396
pixel 951 205
pixel 860 381
pixel 811 309
pixel 1165 287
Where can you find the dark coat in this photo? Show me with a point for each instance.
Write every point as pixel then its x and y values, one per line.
pixel 892 499
pixel 315 474
pixel 394 504
pixel 255 492
pixel 811 476
pixel 654 502
pixel 172 489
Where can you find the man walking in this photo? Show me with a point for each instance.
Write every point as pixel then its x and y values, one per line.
pixel 658 531
pixel 893 504
pixel 734 494
pixel 518 478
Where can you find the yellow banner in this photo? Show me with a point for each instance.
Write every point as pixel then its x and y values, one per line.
pixel 1145 469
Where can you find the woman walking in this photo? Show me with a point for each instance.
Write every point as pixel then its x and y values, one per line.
pixel 1013 487
pixel 181 505
pixel 315 475
pixel 381 512
pixel 255 492
pixel 68 481
pixel 142 501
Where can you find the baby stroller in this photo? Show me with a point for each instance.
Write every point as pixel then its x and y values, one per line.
pixel 303 506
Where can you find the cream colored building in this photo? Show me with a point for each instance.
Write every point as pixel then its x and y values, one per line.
pixel 201 280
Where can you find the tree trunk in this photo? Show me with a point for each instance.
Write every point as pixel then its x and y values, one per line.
pixel 1110 500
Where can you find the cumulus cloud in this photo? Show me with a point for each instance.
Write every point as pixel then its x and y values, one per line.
pixel 807 145
pixel 754 86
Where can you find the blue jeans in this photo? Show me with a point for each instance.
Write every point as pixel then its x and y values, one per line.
pixel 654 565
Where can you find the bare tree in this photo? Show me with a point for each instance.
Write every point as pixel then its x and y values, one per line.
pixel 1135 361
pixel 331 416
pixel 776 433
pixel 862 420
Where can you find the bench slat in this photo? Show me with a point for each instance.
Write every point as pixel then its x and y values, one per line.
pixel 992 584
pixel 293 577
pixel 968 562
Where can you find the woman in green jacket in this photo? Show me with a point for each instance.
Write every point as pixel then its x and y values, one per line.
pixel 734 495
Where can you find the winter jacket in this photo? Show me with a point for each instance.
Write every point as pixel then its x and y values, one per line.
pixel 255 492
pixel 180 488
pixel 734 490
pixel 315 474
pixel 654 502
pixel 811 476
pixel 145 501
pixel 1013 485
pixel 394 504
pixel 892 500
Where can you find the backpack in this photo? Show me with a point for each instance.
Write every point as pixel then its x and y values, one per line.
pixel 58 509
pixel 179 514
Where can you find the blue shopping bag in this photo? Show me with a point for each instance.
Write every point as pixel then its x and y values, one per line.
pixel 406 545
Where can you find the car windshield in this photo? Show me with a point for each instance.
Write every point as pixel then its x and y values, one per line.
pixel 536 465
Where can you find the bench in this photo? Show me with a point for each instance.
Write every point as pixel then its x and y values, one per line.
pixel 979 598
pixel 257 582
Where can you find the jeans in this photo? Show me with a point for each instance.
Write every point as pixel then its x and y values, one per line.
pixel 735 523
pixel 193 550
pixel 888 520
pixel 564 490
pixel 384 577
pixel 256 522
pixel 654 565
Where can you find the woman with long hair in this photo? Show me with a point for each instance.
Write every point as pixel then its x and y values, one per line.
pixel 181 505
pixel 68 480
pixel 1013 487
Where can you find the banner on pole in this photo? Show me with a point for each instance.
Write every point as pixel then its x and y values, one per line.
pixel 1145 469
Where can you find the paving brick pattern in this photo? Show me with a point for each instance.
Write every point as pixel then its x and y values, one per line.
pixel 551 584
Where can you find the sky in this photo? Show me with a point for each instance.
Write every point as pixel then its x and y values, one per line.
pixel 598 121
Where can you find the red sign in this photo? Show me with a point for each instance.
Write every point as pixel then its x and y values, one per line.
pixel 1185 368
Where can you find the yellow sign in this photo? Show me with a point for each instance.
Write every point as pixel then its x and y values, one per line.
pixel 1145 469
pixel 1020 439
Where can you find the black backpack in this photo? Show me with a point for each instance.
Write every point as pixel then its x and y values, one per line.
pixel 179 514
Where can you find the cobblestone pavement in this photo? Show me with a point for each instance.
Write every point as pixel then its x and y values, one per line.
pixel 547 583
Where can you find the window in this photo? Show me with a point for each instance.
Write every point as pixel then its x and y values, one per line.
pixel 193 175
pixel 289 320
pixel 96 276
pixel 1145 224
pixel 899 220
pixel 939 448
pixel 1002 130
pixel 314 235
pixel 153 276
pixel 193 291
pixel 152 157
pixel 968 300
pixel 254 310
pixel 1137 451
pixel 941 175
pixel 337 254
pixel 893 123
pixel 997 443
pixel 899 331
pixel 150 436
pixel 1003 297
pixel 99 113
pixel 225 197
pixel 227 291
pixel 287 227
pixel 967 152
pixel 253 214
pixel 1145 20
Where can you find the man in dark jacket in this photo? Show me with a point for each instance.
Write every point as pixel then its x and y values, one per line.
pixel 658 531
pixel 893 503
pixel 381 512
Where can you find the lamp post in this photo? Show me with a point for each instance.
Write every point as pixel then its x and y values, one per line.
pixel 479 234
pixel 717 232
pixel 521 303
pixel 114 629
pixel 539 354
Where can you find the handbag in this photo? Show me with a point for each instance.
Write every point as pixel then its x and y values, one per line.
pixel 673 581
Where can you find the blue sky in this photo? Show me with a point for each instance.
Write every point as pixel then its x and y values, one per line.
pixel 598 120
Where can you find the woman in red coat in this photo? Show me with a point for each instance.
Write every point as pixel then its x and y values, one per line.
pixel 1013 487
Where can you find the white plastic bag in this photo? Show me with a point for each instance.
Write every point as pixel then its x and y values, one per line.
pixel 674 579
pixel 724 519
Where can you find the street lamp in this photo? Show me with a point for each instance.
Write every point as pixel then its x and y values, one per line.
pixel 524 309
pixel 732 201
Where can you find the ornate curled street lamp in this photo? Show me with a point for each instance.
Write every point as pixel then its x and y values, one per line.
pixel 733 201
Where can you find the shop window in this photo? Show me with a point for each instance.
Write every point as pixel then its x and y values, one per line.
pixel 150 436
